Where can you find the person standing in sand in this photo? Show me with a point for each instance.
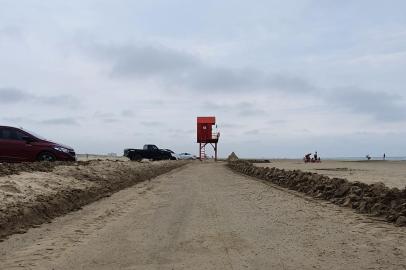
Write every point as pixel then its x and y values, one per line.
pixel 384 156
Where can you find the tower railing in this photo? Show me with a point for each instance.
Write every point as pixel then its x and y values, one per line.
pixel 215 136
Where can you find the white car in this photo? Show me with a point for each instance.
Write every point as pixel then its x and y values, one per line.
pixel 187 156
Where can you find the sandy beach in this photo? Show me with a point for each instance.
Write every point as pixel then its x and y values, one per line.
pixel 391 173
pixel 205 216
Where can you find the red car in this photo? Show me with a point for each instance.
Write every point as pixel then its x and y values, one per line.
pixel 17 145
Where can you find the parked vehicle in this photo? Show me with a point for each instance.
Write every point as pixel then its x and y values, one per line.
pixel 187 156
pixel 174 155
pixel 149 151
pixel 18 145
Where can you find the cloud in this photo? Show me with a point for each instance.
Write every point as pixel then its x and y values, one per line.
pixel 152 123
pixel 10 31
pixel 251 110
pixel 239 108
pixel 14 95
pixel 106 117
pixel 110 120
pixel 130 61
pixel 66 121
pixel 62 121
pixel 252 132
pixel 113 117
pixel 277 122
pixel 380 105
pixel 99 114
pixel 231 126
pixel 289 83
pixel 127 113
pixel 224 79
pixel 64 100
pixel 14 119
pixel 180 68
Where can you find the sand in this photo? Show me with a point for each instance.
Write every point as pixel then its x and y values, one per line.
pixel 391 173
pixel 86 157
pixel 204 216
pixel 34 193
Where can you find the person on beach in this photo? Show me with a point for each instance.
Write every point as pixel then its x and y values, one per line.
pixel 384 156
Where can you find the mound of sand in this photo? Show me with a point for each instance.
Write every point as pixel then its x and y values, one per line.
pixel 50 190
pixel 232 157
pixel 17 168
pixel 375 199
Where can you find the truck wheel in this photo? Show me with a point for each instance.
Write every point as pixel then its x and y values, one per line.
pixel 46 156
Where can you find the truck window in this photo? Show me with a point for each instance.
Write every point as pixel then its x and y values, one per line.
pixel 150 147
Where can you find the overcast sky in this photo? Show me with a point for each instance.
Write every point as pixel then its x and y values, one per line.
pixel 282 77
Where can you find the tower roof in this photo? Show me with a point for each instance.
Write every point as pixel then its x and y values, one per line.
pixel 206 120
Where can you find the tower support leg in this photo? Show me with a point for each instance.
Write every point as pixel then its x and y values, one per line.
pixel 202 146
pixel 215 151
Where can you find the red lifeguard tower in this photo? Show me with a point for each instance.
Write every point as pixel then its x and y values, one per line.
pixel 206 136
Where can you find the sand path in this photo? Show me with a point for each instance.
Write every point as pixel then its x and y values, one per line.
pixel 204 216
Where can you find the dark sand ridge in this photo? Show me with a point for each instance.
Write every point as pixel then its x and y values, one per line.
pixel 374 199
pixel 42 191
pixel 390 172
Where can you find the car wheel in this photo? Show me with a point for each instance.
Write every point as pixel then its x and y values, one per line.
pixel 46 156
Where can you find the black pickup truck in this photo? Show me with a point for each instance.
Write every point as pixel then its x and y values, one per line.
pixel 149 151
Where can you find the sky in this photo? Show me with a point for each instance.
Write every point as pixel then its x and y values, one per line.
pixel 283 78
